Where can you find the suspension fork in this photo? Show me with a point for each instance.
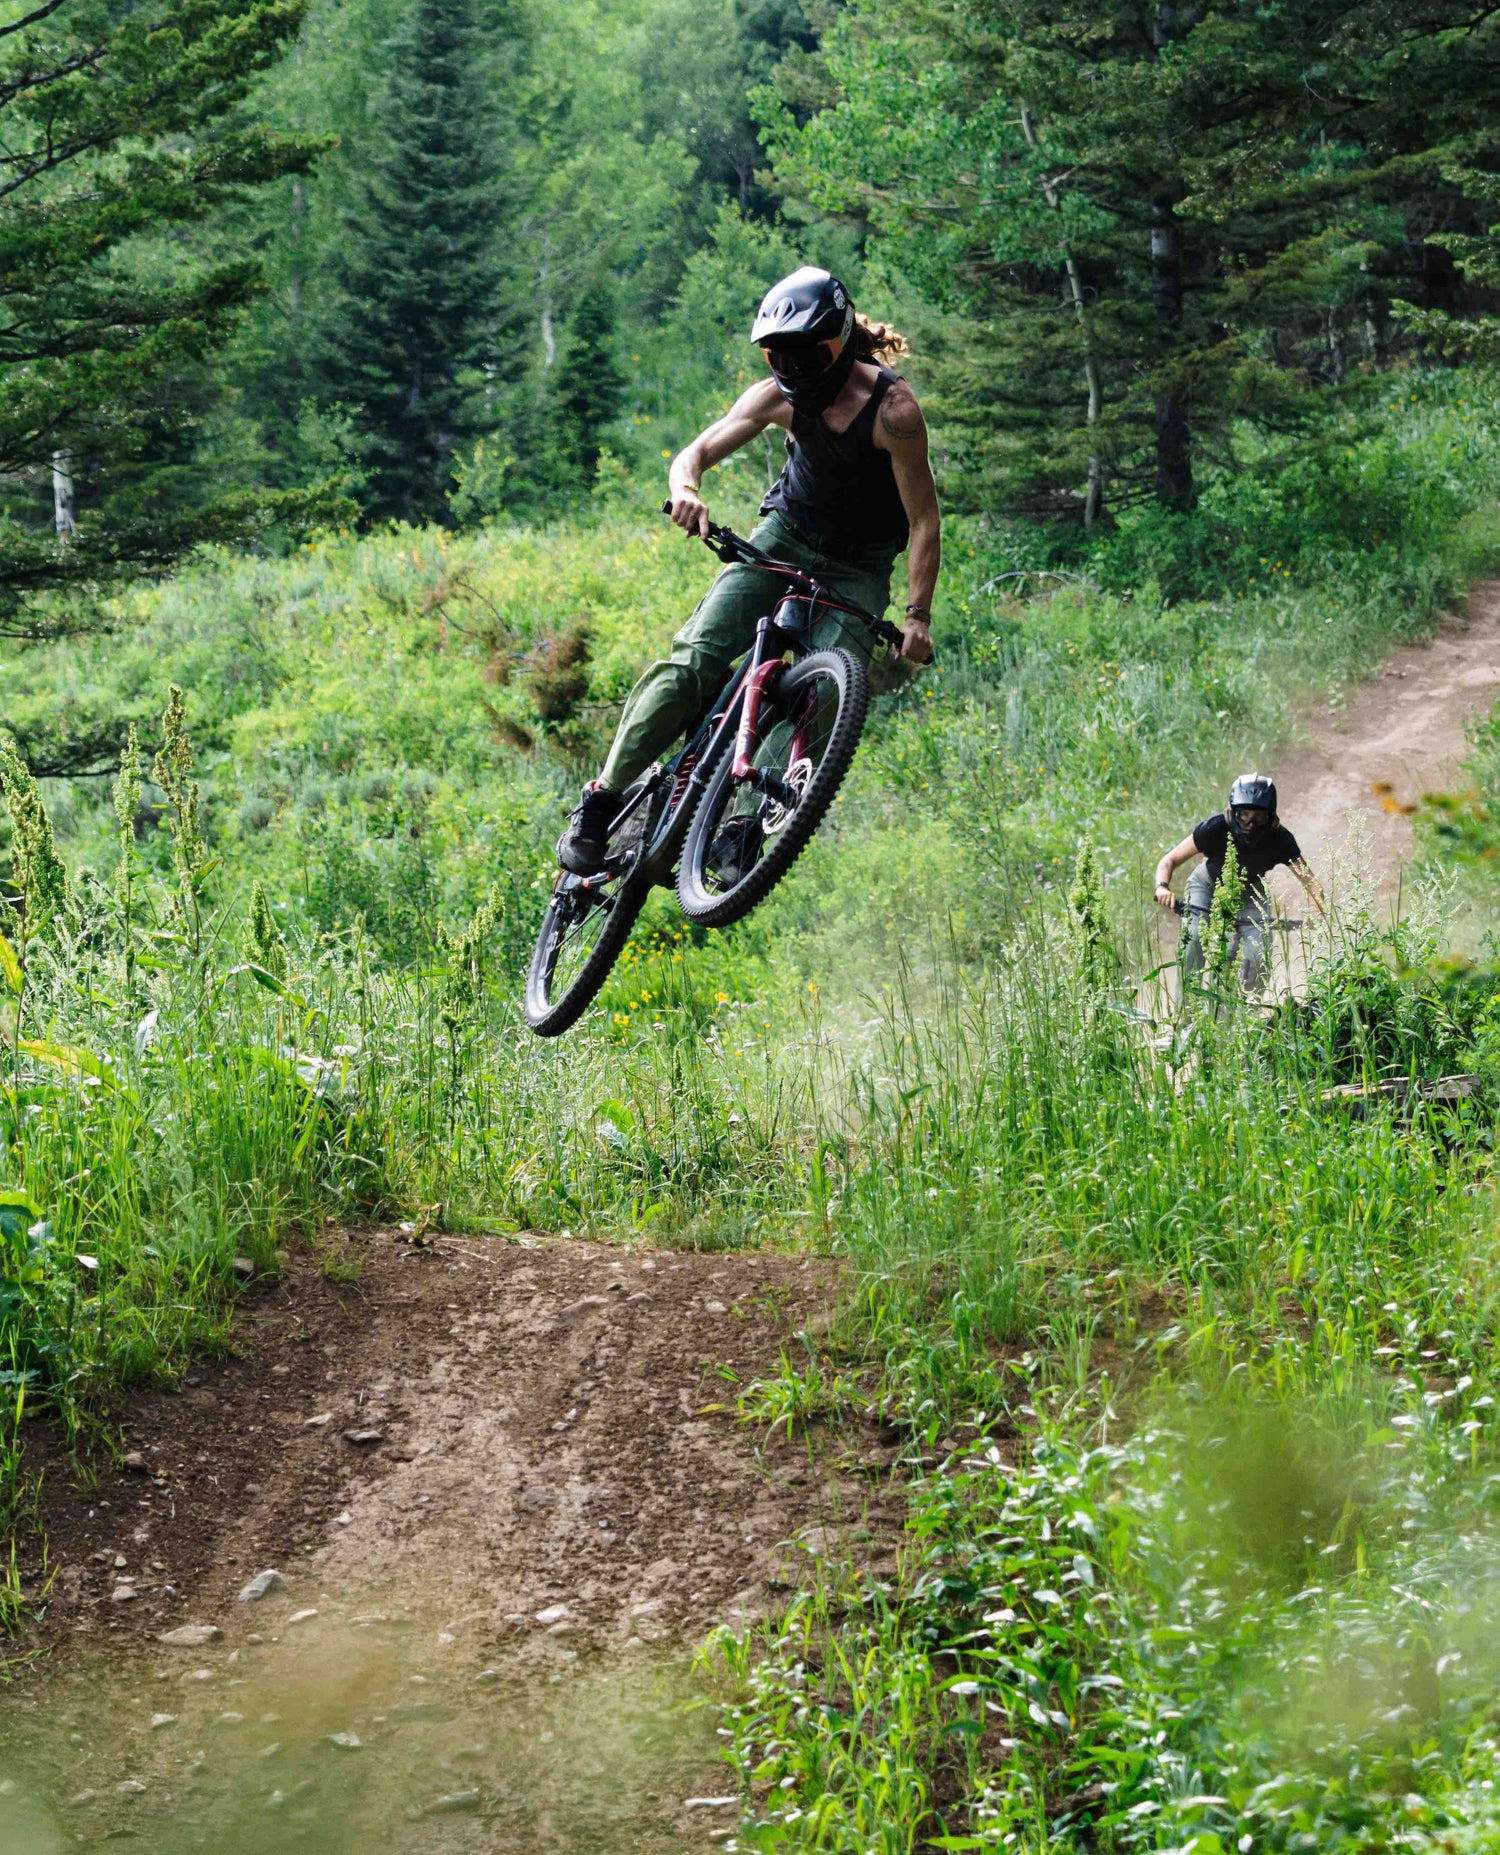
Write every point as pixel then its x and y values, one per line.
pixel 802 732
pixel 762 675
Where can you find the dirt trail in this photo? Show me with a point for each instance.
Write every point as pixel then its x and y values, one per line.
pixel 1395 739
pixel 504 1507
pixel 501 1501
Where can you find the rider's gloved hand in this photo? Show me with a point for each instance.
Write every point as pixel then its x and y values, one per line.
pixel 690 512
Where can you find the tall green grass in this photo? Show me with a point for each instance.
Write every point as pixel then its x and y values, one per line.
pixel 1207 1357
pixel 1203 1365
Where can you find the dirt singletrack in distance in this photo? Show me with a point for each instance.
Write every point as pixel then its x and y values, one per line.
pixel 506 1493
pixel 1392 741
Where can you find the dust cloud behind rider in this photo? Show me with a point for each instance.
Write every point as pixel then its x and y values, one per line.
pixel 1262 843
pixel 857 487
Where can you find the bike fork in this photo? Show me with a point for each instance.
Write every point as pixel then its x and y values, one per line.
pixel 762 676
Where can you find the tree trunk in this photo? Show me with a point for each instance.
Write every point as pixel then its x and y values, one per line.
pixel 1093 504
pixel 62 494
pixel 1174 433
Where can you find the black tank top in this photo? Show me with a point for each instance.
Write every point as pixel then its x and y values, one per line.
pixel 836 485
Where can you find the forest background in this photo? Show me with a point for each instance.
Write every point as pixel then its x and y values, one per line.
pixel 341 351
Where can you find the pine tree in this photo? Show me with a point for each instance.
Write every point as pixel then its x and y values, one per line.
pixel 420 313
pixel 115 124
pixel 1472 336
pixel 592 388
pixel 1147 223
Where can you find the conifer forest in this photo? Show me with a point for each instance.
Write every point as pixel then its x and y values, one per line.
pixel 989 1347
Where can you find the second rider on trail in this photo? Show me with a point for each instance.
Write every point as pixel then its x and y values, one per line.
pixel 856 488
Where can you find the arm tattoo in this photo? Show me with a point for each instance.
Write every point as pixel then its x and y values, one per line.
pixel 900 415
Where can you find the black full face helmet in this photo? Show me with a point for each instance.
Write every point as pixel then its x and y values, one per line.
pixel 1256 793
pixel 803 327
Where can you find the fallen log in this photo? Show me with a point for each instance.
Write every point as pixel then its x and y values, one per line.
pixel 1401 1090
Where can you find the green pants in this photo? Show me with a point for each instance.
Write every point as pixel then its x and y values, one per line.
pixel 675 692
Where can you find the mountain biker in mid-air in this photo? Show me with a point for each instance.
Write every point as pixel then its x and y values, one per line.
pixel 1262 843
pixel 857 485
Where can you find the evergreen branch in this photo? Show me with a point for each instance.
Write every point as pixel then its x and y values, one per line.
pixel 33 18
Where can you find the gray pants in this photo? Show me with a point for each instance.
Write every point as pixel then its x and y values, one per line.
pixel 1248 941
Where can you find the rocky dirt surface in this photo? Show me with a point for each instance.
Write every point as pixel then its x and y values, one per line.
pixel 504 1491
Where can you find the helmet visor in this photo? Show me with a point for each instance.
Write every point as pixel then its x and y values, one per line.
pixel 798 366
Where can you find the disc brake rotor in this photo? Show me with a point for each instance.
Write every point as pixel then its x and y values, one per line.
pixel 774 815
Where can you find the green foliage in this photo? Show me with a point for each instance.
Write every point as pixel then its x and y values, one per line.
pixel 1124 287
pixel 620 130
pixel 260 939
pixel 1229 896
pixel 1098 966
pixel 416 342
pixel 592 388
pixel 119 127
pixel 1471 337
pixel 1183 1568
pixel 37 873
pixel 174 774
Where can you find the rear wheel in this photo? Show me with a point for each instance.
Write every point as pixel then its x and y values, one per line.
pixel 586 926
pixel 584 932
pixel 746 834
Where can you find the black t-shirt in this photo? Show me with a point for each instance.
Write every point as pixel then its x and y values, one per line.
pixel 1266 850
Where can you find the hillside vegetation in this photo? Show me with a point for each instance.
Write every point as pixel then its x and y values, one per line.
pixel 1195 1371
pixel 343 345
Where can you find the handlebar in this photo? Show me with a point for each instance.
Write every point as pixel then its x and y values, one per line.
pixel 734 549
pixel 1283 925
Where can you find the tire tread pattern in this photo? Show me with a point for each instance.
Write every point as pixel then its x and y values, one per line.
pixel 549 1018
pixel 710 910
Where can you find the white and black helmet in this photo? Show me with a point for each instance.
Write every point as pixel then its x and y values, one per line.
pixel 1254 792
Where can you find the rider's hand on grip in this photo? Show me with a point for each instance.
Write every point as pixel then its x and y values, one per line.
pixel 689 512
pixel 916 644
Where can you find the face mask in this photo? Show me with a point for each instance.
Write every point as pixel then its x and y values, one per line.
pixel 809 387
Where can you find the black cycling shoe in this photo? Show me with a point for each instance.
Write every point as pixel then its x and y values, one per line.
pixel 583 847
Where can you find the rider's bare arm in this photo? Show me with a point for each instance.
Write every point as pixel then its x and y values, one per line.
pixel 1168 868
pixel 757 407
pixel 902 431
pixel 1311 884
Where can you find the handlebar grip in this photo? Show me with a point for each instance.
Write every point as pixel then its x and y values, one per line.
pixel 666 507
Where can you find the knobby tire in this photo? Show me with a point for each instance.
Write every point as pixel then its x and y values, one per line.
pixel 550 1017
pixel 711 908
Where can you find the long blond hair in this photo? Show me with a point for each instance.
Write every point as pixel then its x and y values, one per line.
pixel 877 341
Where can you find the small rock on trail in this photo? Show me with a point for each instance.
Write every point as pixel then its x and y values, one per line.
pixel 262 1585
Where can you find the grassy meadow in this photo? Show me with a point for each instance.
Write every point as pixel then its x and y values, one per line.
pixel 1193 1367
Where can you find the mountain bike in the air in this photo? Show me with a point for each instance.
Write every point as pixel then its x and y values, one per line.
pixel 727 817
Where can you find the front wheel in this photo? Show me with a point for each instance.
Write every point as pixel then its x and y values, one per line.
pixel 747 833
